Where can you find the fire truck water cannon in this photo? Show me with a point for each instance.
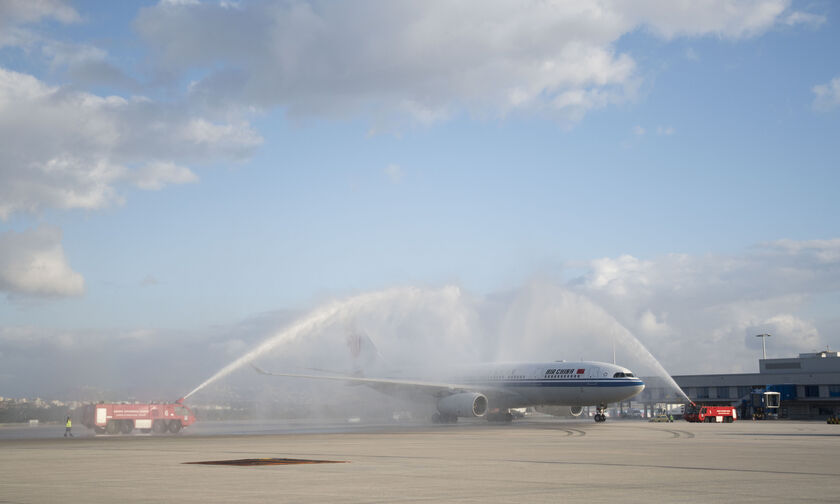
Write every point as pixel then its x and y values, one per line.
pixel 123 418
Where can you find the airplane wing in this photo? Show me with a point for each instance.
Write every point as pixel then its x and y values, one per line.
pixel 385 385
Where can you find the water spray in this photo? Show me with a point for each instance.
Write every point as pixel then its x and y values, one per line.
pixel 640 348
pixel 315 320
pixel 398 303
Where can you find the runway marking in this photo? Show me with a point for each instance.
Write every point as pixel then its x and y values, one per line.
pixel 267 461
pixel 679 433
pixel 781 434
pixel 575 432
pixel 675 433
pixel 568 430
pixel 683 468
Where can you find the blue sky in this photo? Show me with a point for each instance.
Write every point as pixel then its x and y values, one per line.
pixel 317 151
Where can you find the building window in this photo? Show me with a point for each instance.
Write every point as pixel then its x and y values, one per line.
pixel 783 365
pixel 702 392
pixel 744 391
pixel 812 390
pixel 834 391
pixel 723 392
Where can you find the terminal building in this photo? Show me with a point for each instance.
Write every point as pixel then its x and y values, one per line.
pixel 808 387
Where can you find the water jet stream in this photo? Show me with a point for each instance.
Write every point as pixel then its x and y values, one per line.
pixel 554 308
pixel 313 321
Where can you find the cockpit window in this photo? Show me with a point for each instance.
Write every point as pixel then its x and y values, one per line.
pixel 628 375
pixel 623 375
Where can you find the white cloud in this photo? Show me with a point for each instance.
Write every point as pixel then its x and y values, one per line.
pixel 156 175
pixel 85 64
pixel 395 173
pixel 29 11
pixel 427 60
pixel 700 313
pixel 149 280
pixel 827 96
pixel 14 14
pixel 793 335
pixel 66 149
pixel 33 263
pixel 638 130
pixel 203 132
pixel 823 251
pixel 691 55
pixel 665 130
pixel 798 17
pixel 724 18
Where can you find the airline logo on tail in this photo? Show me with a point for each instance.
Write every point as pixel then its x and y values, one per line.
pixel 354 343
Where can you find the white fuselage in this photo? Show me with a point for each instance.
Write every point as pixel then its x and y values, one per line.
pixel 514 385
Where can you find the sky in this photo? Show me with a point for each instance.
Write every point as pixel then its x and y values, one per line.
pixel 180 180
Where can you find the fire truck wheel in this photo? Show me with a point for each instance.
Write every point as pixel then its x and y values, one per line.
pixel 127 426
pixel 159 427
pixel 174 426
pixel 113 427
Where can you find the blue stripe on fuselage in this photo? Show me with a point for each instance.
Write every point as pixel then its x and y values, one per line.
pixel 577 382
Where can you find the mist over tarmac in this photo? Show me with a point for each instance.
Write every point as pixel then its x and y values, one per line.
pixel 427 333
pixel 421 332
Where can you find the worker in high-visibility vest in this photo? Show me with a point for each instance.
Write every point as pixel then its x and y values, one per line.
pixel 67 426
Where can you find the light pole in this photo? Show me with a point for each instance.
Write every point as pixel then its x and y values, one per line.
pixel 763 346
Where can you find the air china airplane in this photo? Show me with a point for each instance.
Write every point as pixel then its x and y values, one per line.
pixel 490 390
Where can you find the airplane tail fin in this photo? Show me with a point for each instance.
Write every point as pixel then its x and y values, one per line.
pixel 364 352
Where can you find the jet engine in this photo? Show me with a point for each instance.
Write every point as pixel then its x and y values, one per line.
pixel 575 410
pixel 465 404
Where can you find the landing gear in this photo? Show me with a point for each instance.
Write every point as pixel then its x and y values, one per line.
pixel 599 413
pixel 500 416
pixel 444 418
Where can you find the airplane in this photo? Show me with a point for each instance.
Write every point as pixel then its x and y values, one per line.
pixel 490 390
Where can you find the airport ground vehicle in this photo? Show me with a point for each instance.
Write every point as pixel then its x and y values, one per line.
pixel 123 418
pixel 698 413
pixel 662 417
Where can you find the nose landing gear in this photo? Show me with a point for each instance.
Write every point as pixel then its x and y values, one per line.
pixel 599 413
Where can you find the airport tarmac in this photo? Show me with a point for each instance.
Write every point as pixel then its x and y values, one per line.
pixel 532 460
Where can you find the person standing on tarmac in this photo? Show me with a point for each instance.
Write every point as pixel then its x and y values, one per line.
pixel 68 425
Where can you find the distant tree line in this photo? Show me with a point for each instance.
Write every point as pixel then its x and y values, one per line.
pixel 15 412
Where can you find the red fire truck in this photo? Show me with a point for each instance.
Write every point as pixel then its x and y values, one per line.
pixel 697 413
pixel 122 418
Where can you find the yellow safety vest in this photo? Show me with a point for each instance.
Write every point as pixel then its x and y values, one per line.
pixel 69 423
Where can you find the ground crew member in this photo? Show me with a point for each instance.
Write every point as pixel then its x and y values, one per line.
pixel 67 426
